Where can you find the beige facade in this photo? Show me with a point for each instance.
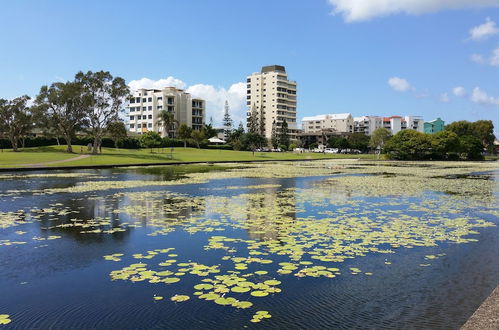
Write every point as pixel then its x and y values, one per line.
pixel 395 124
pixel 145 105
pixel 340 123
pixel 273 97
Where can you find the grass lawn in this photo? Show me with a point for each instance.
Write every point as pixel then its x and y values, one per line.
pixel 41 155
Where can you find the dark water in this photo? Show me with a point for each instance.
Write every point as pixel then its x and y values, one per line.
pixel 64 283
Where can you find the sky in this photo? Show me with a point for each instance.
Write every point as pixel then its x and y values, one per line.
pixel 432 58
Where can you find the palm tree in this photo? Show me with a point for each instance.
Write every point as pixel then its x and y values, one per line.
pixel 168 121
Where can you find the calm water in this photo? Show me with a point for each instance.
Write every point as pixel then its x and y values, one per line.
pixel 64 282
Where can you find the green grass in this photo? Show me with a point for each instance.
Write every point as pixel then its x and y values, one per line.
pixel 132 156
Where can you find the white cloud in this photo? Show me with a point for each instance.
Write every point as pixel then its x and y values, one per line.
pixel 477 58
pixel 399 84
pixel 214 96
pixel 215 101
pixel 459 91
pixel 444 98
pixel 492 60
pixel 483 31
pixel 156 84
pixel 362 10
pixel 480 97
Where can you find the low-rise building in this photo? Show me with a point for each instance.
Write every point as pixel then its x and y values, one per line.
pixel 340 122
pixel 434 126
pixel 145 104
pixel 395 124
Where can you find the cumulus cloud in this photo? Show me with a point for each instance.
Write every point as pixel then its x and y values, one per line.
pixel 215 97
pixel 156 84
pixel 480 97
pixel 363 10
pixel 477 58
pixel 444 98
pixel 483 31
pixel 215 101
pixel 399 84
pixel 492 60
pixel 459 91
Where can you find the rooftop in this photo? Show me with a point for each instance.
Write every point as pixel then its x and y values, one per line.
pixel 271 68
pixel 329 116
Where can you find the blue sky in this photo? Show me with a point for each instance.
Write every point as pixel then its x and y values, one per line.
pixel 367 57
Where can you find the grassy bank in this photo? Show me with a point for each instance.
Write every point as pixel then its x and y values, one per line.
pixel 55 156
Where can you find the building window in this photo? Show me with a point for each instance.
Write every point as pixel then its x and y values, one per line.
pixel 132 117
pixel 149 117
pixel 160 107
pixel 149 99
pixel 160 98
pixel 149 107
pixel 132 100
pixel 139 125
pixel 144 108
pixel 149 125
pixel 144 99
pixel 137 99
pixel 144 117
pixel 132 125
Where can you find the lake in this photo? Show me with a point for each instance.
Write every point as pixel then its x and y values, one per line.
pixel 325 244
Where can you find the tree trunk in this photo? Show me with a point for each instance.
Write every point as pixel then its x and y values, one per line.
pixel 185 143
pixel 69 148
pixel 57 139
pixel 97 142
pixel 13 141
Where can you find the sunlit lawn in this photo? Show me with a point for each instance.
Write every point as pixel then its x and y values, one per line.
pixel 134 156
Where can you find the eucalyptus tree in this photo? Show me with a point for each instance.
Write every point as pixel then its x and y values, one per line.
pixel 15 119
pixel 106 95
pixel 61 109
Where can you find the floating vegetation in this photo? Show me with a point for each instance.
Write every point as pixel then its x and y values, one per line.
pixel 5 319
pixel 259 236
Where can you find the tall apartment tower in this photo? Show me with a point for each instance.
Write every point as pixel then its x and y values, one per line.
pixel 273 97
pixel 145 105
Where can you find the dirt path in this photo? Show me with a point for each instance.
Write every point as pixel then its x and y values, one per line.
pixel 57 161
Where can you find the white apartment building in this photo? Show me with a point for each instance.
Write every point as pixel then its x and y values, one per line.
pixel 340 122
pixel 273 97
pixel 145 104
pixel 367 124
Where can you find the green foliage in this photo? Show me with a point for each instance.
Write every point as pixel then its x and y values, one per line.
pixel 470 147
pixel 379 138
pixel 252 141
pixel 117 131
pixel 61 109
pixel 359 141
pixel 104 96
pixel 274 138
pixel 150 140
pixel 15 119
pixel 167 120
pixel 338 142
pixel 443 144
pixel 184 133
pixel 209 131
pixel 284 135
pixel 197 137
pixel 483 130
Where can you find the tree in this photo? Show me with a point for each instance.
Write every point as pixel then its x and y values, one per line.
pixel 209 131
pixel 274 138
pixel 227 122
pixel 461 128
pixel 61 108
pixel 378 139
pixel 167 120
pixel 484 131
pixel 15 119
pixel 470 147
pixel 150 139
pixel 409 144
pixel 106 95
pixel 184 133
pixel 117 131
pixel 443 143
pixel 253 121
pixel 252 141
pixel 284 135
pixel 338 142
pixel 197 136
pixel 359 141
